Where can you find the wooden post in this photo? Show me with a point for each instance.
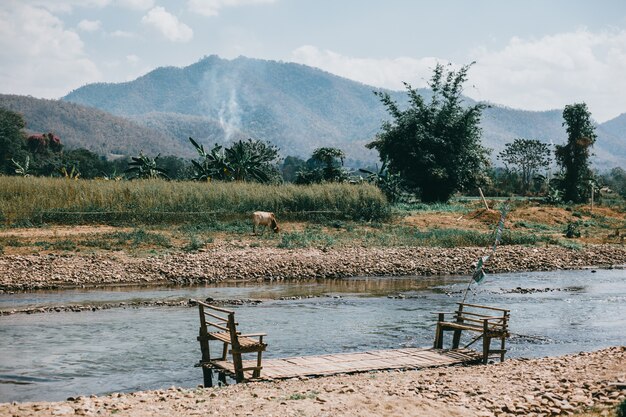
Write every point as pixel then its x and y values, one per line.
pixel 235 348
pixel 257 372
pixel 483 197
pixel 203 338
pixel 591 197
pixel 456 339
pixel 439 333
pixel 486 341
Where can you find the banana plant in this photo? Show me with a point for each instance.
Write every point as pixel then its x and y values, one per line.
pixel 22 170
pixel 144 167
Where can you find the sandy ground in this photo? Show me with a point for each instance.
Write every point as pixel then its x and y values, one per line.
pixel 537 387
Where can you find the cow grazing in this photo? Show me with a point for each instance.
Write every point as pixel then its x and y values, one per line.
pixel 264 218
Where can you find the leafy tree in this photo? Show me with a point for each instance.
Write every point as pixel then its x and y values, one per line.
pixel 11 140
pixel 573 157
pixel 89 164
pixel 251 160
pixel 290 167
pixel 144 167
pixel 434 147
pixel 526 157
pixel 325 165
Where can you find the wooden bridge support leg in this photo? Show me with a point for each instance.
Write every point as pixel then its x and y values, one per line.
pixel 502 348
pixel 486 341
pixel 207 375
pixel 238 364
pixel 456 339
pixel 439 333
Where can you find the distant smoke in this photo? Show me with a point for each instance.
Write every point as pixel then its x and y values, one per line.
pixel 221 101
pixel 230 116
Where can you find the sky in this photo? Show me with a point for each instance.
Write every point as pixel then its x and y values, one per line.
pixel 530 54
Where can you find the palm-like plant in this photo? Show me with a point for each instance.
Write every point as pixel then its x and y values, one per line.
pixel 22 169
pixel 390 184
pixel 250 160
pixel 144 167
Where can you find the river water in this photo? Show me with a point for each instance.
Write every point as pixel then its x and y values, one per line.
pixel 53 356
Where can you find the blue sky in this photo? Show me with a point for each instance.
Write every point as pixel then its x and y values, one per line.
pixel 530 54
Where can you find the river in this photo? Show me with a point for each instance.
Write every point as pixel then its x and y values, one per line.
pixel 51 356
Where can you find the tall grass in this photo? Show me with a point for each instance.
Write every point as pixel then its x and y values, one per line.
pixel 57 200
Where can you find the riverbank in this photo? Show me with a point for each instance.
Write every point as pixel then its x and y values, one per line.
pixel 536 387
pixel 232 262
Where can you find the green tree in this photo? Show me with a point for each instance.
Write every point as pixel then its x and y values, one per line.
pixel 434 146
pixel 290 167
pixel 144 167
pixel 251 160
pixel 325 165
pixel 526 157
pixel 12 139
pixel 573 157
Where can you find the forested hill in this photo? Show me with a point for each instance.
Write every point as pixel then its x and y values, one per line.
pixel 296 107
pixel 86 127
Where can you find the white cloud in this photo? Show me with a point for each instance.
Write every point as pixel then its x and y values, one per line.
pixel 132 59
pixel 385 73
pixel 168 25
pixel 553 71
pixel 212 7
pixel 89 25
pixel 122 34
pixel 38 55
pixel 136 4
pixel 65 6
pixel 530 74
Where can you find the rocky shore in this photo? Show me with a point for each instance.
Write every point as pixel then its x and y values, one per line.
pixel 517 387
pixel 231 262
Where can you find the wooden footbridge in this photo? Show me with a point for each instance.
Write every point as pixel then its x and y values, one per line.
pixel 223 321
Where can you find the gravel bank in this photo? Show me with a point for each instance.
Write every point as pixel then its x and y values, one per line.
pixel 538 387
pixel 234 263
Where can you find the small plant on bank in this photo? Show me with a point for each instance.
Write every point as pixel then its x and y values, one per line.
pixel 572 230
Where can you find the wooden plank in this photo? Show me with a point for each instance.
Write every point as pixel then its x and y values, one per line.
pixel 408 358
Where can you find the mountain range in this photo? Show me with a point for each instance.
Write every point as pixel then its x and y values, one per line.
pixel 296 107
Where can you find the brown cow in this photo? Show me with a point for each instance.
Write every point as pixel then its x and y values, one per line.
pixel 264 218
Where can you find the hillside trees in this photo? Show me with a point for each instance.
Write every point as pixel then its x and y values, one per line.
pixel 526 157
pixel 573 157
pixel 434 146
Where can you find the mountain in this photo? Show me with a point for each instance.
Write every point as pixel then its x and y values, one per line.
pixel 87 127
pixel 296 107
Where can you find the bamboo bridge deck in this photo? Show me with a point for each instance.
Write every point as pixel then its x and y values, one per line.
pixel 343 363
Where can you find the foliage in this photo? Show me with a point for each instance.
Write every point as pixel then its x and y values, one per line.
pixel 573 157
pixel 573 229
pixel 23 170
pixel 290 167
pixel 11 140
pixel 325 165
pixel 615 179
pixel 144 167
pixel 434 147
pixel 526 156
pixel 390 184
pixel 251 160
